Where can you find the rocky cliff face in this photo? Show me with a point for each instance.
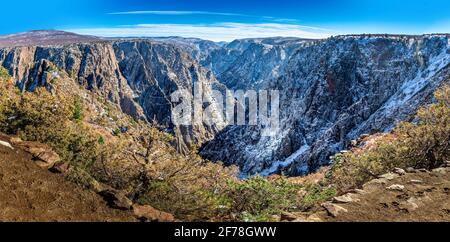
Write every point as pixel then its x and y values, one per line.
pixel 333 91
pixel 244 64
pixel 137 75
pixel 259 60
pixel 155 71
pixel 198 49
pixel 92 65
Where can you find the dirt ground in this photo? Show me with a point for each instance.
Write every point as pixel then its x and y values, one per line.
pixel 425 197
pixel 29 193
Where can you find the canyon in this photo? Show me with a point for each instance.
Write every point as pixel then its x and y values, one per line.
pixel 332 91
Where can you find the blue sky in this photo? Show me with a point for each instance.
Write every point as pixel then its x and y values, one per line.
pixel 227 20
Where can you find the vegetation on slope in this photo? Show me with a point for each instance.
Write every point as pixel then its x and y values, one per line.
pixel 99 142
pixel 423 143
pixel 135 157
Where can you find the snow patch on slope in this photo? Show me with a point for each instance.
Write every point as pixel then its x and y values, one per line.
pixel 278 165
pixel 410 88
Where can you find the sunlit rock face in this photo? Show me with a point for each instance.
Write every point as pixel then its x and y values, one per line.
pixel 137 75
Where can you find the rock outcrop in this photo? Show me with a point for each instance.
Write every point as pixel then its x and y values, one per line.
pixel 156 70
pixel 149 214
pixel 92 65
pixel 332 92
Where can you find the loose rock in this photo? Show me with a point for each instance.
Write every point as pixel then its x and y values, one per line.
pixel 347 198
pixel 44 156
pixel 116 199
pixel 396 187
pixel 441 170
pixel 147 213
pixel 285 216
pixel 399 171
pixel 411 170
pixel 388 176
pixel 334 209
pixel 6 144
pixel 416 181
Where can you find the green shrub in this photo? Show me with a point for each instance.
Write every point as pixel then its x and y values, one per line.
pixel 117 132
pixel 257 198
pixel 101 140
pixel 77 110
pixel 46 118
pixel 422 144
pixel 316 195
pixel 4 74
pixel 189 187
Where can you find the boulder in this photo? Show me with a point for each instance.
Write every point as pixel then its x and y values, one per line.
pixel 396 187
pixel 399 171
pixel 314 219
pixel 411 170
pixel 147 213
pixel 289 217
pixel 410 205
pixel 43 155
pixel 60 167
pixel 359 192
pixel 6 144
pixel 415 203
pixel 389 176
pixel 416 181
pixel 115 199
pixel 347 198
pixel 333 209
pixel 47 159
pixel 441 170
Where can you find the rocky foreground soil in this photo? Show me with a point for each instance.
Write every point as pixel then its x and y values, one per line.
pixel 400 196
pixel 417 195
pixel 30 193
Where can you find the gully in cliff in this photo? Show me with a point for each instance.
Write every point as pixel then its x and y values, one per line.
pixel 249 107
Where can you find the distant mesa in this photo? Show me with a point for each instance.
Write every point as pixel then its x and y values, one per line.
pixel 44 38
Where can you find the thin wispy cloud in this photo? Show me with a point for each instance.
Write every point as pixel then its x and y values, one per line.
pixel 181 13
pixel 281 20
pixel 214 32
pixel 177 13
